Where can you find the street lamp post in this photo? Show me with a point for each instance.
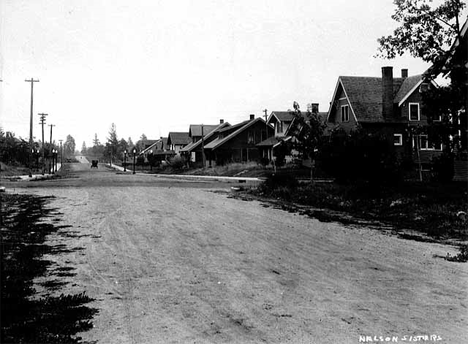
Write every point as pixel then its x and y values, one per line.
pixel 37 158
pixel 125 160
pixel 52 163
pixel 151 160
pixel 32 159
pixel 134 157
pixel 55 156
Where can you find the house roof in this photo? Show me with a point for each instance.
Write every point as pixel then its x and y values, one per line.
pixel 281 116
pixel 240 127
pixel 178 138
pixel 196 129
pixel 364 95
pixel 269 142
pixel 407 88
pixel 162 141
pixel 193 145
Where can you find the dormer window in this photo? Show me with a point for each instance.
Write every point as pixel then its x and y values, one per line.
pixel 344 113
pixel 414 114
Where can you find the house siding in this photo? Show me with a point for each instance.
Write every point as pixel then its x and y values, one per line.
pixel 240 148
pixel 336 113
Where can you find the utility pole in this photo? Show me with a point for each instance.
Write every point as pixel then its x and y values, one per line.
pixel 61 154
pixel 43 116
pixel 51 148
pixel 32 81
pixel 266 132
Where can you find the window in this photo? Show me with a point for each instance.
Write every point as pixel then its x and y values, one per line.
pixel 279 127
pixel 250 138
pixel 414 111
pixel 398 139
pixel 345 113
pixel 426 144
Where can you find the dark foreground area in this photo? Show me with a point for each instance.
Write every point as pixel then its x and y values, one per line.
pixel 26 315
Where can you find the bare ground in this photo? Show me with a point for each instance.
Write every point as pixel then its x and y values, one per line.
pixel 172 262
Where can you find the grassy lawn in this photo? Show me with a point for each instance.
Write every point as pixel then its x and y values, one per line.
pixel 28 316
pixel 437 210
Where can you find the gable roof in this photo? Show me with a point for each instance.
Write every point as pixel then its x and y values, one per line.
pixel 240 128
pixel 196 129
pixel 281 116
pixel 191 146
pixel 178 138
pixel 409 85
pixel 364 95
pixel 162 141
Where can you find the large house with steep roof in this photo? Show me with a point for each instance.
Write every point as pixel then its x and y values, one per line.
pixel 389 105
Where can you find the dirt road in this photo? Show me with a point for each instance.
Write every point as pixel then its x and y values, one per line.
pixel 181 262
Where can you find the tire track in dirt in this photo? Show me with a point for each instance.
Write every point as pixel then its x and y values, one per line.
pixel 196 266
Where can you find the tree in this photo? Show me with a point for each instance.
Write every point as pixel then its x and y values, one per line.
pixel 130 142
pixel 360 156
pixel 143 137
pixel 308 132
pixel 84 150
pixel 69 146
pixel 426 31
pixel 96 141
pixel 112 143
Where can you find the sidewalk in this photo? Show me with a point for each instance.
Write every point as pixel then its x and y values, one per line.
pixel 196 177
pixel 34 176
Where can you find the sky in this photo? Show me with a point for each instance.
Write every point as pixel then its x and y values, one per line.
pixel 152 67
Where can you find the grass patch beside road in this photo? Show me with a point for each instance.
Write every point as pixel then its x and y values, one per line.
pixel 437 210
pixel 27 317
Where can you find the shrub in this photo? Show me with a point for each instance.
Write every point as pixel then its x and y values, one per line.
pixel 177 162
pixel 442 167
pixel 360 156
pixel 264 161
pixel 140 160
pixel 277 181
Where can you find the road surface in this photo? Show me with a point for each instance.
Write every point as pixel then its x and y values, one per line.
pixel 181 262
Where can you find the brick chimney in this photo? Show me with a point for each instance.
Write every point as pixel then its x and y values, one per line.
pixel 387 92
pixel 252 117
pixel 404 73
pixel 315 108
pixel 221 121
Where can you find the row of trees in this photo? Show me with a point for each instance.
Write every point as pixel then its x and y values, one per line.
pixel 17 151
pixel 113 149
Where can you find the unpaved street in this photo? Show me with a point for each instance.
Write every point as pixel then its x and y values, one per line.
pixel 181 262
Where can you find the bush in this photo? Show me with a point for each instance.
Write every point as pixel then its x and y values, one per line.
pixel 443 168
pixel 278 181
pixel 264 161
pixel 360 156
pixel 177 162
pixel 140 160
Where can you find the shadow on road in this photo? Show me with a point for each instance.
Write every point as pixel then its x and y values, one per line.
pixel 26 317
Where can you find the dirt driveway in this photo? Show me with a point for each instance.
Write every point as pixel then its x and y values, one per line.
pixel 181 262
